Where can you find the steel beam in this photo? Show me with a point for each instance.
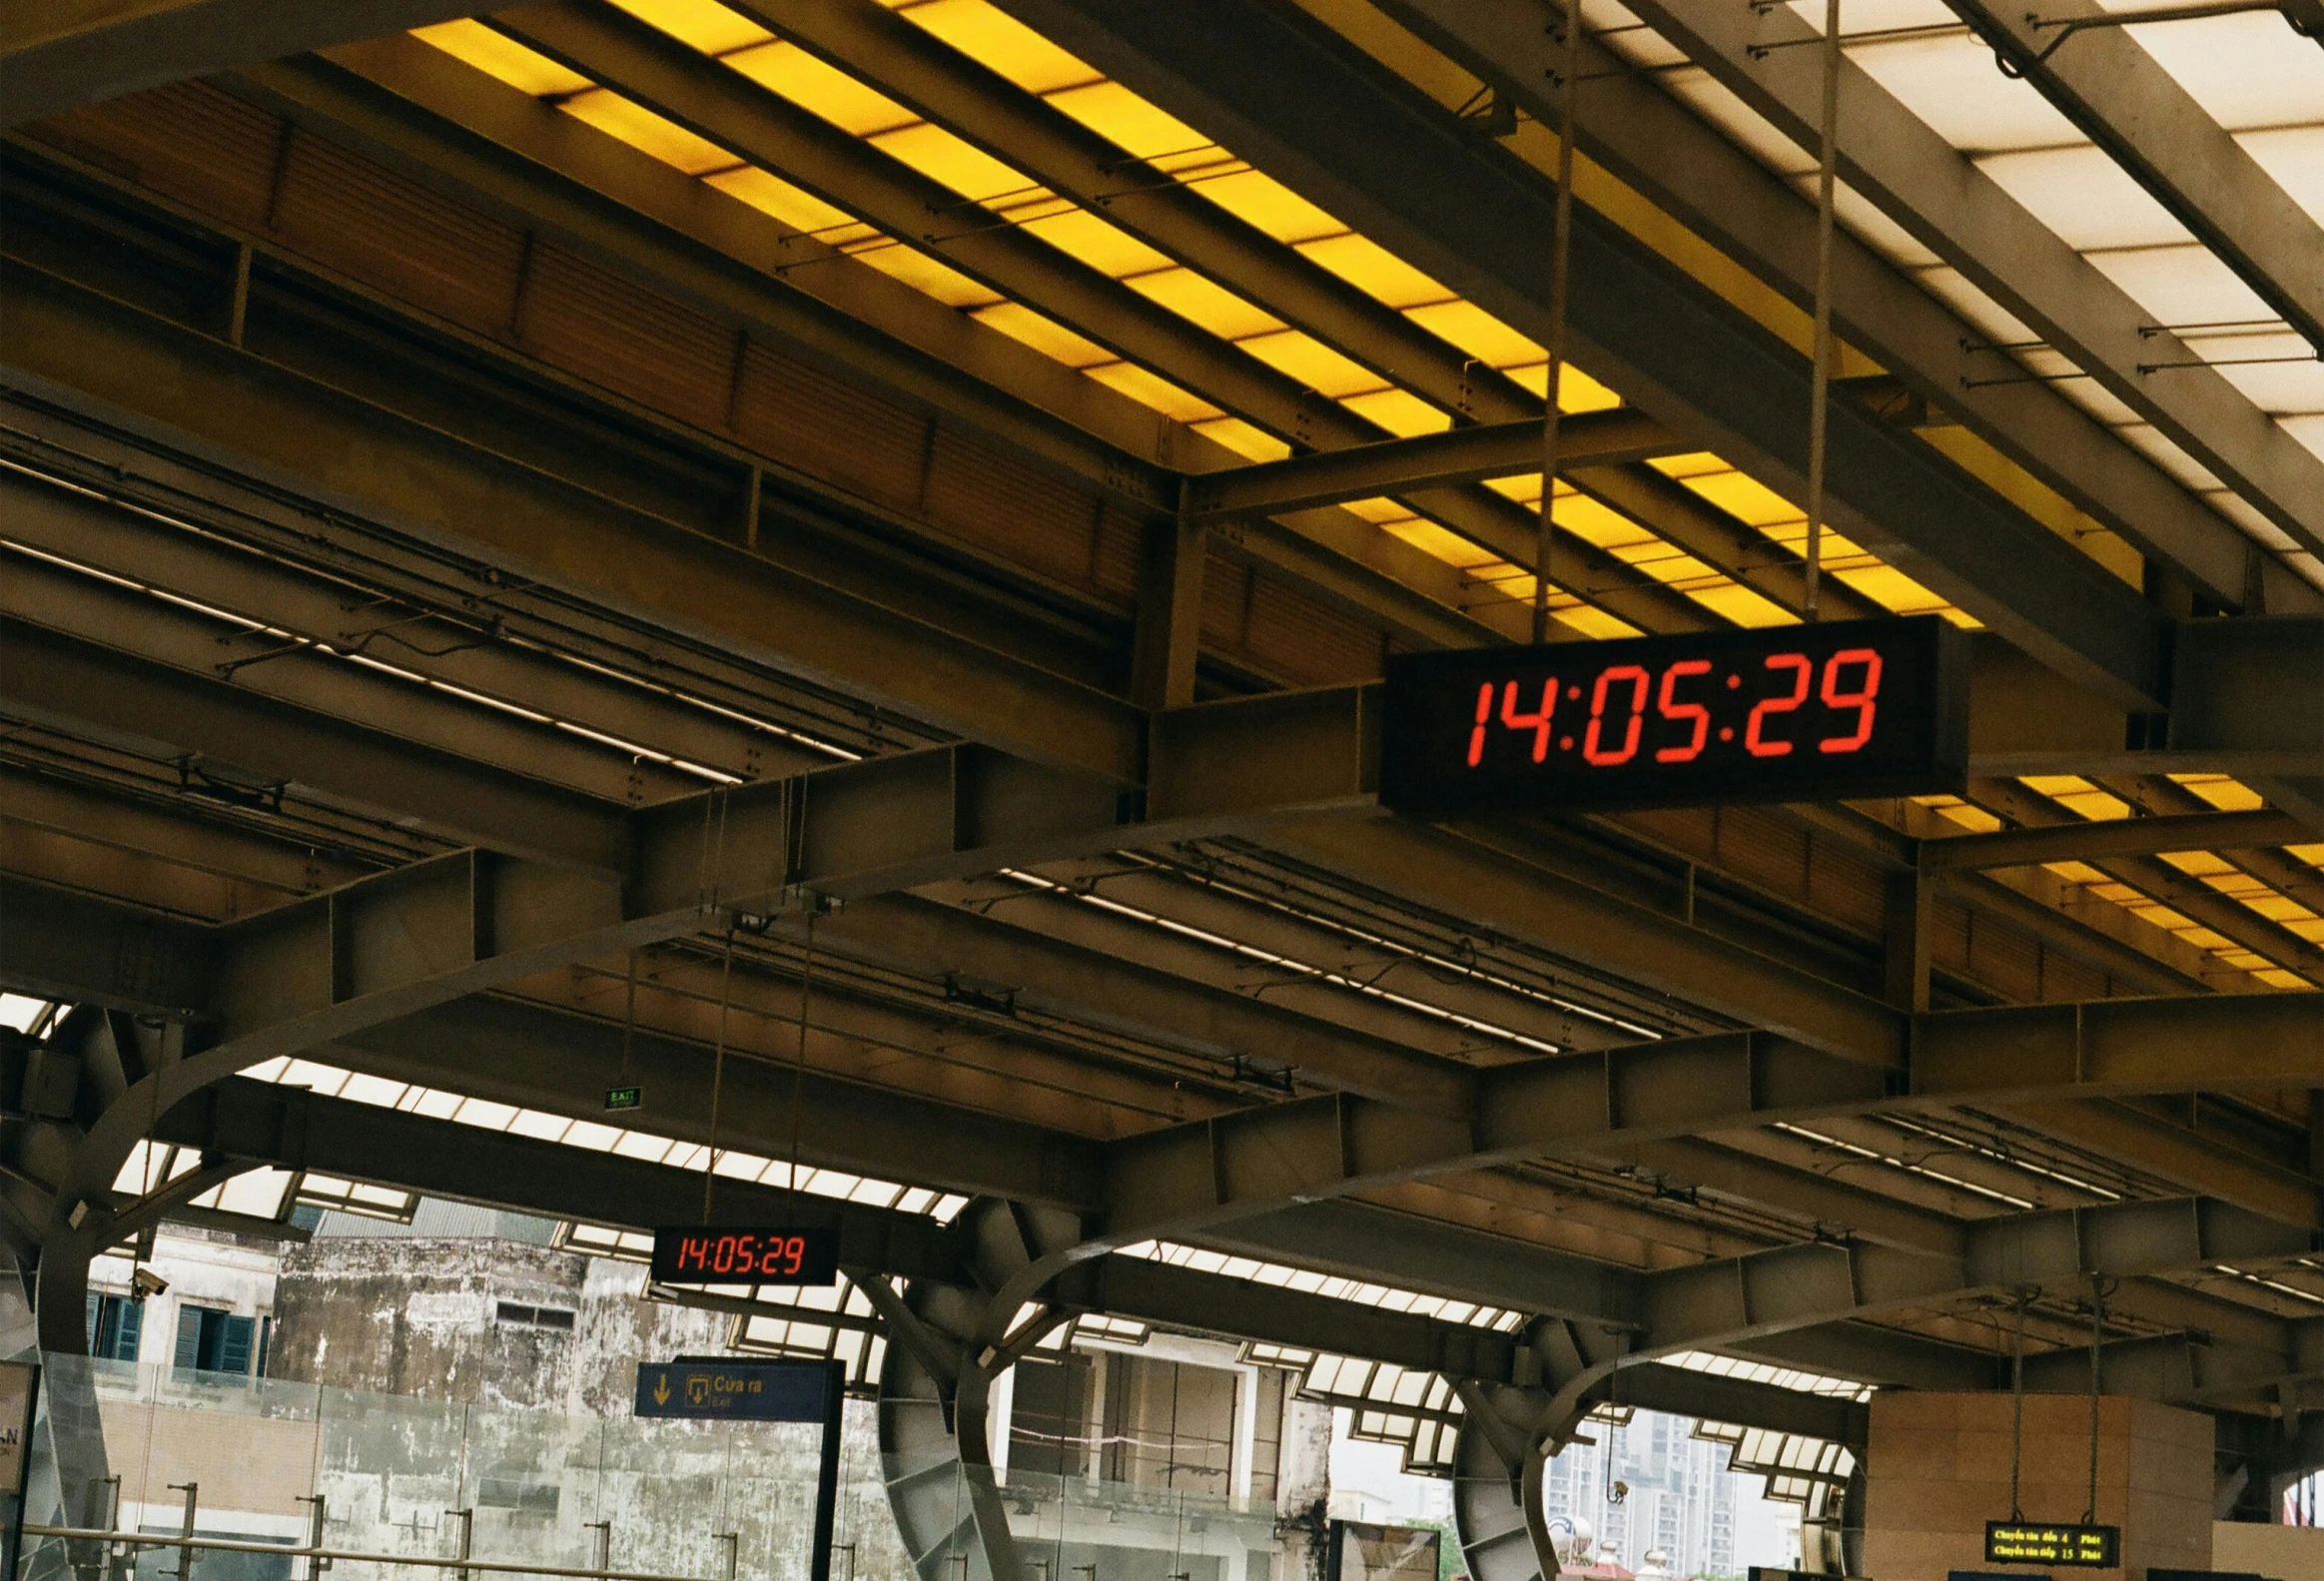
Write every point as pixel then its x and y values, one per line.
pixel 1936 191
pixel 55 55
pixel 255 1123
pixel 272 742
pixel 1653 143
pixel 2114 1046
pixel 2126 102
pixel 2083 842
pixel 1457 456
pixel 1292 96
pixel 766 130
pixel 371 463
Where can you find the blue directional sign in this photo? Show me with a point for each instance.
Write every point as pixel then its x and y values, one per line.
pixel 737 1390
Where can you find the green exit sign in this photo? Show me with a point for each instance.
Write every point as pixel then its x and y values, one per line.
pixel 625 1097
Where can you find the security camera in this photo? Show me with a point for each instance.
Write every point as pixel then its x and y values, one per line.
pixel 145 1283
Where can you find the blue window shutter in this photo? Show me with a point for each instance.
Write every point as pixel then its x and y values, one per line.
pixel 235 1339
pixel 189 1352
pixel 132 1326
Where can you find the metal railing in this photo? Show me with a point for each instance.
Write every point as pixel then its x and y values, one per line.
pixel 461 1562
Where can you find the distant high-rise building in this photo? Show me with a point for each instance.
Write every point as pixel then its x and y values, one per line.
pixel 1680 1497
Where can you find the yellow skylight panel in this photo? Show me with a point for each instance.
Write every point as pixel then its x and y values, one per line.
pixel 965 168
pixel 2221 790
pixel 2276 908
pixel 1105 247
pixel 2163 917
pixel 1594 622
pixel 1696 464
pixel 2076 872
pixel 794 206
pixel 1973 818
pixel 1152 390
pixel 1240 437
pixel 1399 411
pixel 498 55
pixel 1311 361
pixel 1204 301
pixel 1577 390
pixel 2277 976
pixel 999 41
pixel 1130 123
pixel 1732 601
pixel 648 132
pixel 2310 928
pixel 2202 864
pixel 1376 272
pixel 1745 498
pixel 1586 519
pixel 846 103
pixel 1446 545
pixel 1898 593
pixel 1378 511
pixel 704 24
pixel 1266 203
pixel 1478 333
pixel 929 276
pixel 1044 334
pixel 2313 855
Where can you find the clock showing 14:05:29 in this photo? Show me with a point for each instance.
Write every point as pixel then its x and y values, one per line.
pixel 1789 713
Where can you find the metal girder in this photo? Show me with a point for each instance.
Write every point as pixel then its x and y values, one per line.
pixel 182 554
pixel 294 1128
pixel 2119 1047
pixel 878 326
pixel 2127 103
pixel 766 130
pixel 1467 455
pixel 1907 168
pixel 435 485
pixel 2166 883
pixel 1094 986
pixel 274 743
pixel 1289 95
pixel 1048 146
pixel 2084 841
pixel 55 55
pixel 1473 872
pixel 1657 146
pixel 255 1123
pixel 1190 1178
pixel 69 947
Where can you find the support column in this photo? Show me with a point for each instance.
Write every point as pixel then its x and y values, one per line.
pixel 1911 898
pixel 1170 609
pixel 1936 1468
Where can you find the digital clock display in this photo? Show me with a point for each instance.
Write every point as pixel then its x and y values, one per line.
pixel 1786 713
pixel 789 1255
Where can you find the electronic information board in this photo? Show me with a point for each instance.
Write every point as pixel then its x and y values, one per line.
pixel 757 1254
pixel 1780 714
pixel 2052 1543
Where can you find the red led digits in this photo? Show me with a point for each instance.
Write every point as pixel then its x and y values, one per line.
pixel 1484 717
pixel 1861 699
pixel 1631 732
pixel 794 1253
pixel 1672 709
pixel 1538 722
pixel 1804 674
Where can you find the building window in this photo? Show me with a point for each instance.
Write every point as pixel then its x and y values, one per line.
pixel 114 1324
pixel 515 1315
pixel 209 1341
